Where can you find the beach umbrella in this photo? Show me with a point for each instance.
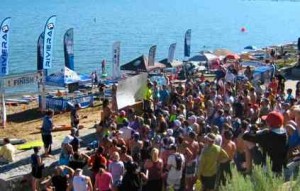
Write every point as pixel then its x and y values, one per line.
pixel 232 57
pixel 222 52
pixel 250 47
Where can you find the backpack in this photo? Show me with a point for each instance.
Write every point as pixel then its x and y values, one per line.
pixel 178 160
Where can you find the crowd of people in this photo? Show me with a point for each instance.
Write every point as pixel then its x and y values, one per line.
pixel 192 130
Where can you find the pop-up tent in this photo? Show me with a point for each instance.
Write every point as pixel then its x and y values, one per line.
pixel 65 77
pixel 140 64
pixel 173 64
pixel 205 57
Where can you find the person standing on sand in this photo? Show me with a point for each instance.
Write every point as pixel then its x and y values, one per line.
pixel 37 168
pixel 75 118
pixel 46 130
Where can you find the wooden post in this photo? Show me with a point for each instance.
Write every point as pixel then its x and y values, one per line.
pixel 42 91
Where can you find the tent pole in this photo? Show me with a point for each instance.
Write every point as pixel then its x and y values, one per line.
pixel 42 91
pixel 3 107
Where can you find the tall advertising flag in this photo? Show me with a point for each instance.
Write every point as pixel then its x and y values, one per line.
pixel 116 60
pixel 171 53
pixel 187 43
pixel 151 56
pixel 40 51
pixel 103 66
pixel 4 45
pixel 49 42
pixel 69 48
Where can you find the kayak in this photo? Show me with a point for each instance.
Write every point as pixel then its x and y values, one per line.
pixel 14 141
pixel 63 128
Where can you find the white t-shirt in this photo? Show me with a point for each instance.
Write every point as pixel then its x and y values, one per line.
pixel 68 139
pixel 80 183
pixel 173 173
pixel 218 140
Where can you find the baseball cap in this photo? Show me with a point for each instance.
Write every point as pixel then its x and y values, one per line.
pixel 177 123
pixel 170 132
pixel 274 119
pixel 192 119
pixel 122 113
pixel 210 137
pixel 180 116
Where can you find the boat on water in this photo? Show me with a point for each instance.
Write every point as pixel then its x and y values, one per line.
pixel 104 75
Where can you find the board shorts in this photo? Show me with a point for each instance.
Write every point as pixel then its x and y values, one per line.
pixel 47 140
pixel 208 182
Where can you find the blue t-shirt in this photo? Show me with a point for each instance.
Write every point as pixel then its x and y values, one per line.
pixel 47 125
pixel 294 140
pixel 164 95
pixel 219 121
pixel 289 98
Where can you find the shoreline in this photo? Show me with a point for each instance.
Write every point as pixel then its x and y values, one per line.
pixel 19 94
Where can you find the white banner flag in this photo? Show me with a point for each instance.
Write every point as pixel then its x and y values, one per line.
pixel 116 60
pixel 4 45
pixel 151 57
pixel 171 52
pixel 49 42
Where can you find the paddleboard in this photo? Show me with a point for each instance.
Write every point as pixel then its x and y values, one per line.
pixel 14 141
pixel 29 98
pixel 64 128
pixel 30 145
pixel 21 101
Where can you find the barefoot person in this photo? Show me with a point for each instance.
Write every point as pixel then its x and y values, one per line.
pixel 47 128
pixel 75 118
pixel 37 168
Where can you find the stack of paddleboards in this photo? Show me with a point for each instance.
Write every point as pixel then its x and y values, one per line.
pixel 26 99
pixel 16 101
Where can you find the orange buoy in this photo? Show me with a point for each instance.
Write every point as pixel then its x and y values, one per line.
pixel 243 29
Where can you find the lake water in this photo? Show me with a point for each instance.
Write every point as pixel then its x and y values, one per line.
pixel 139 24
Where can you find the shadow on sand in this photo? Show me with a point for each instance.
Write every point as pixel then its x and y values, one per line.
pixel 25 116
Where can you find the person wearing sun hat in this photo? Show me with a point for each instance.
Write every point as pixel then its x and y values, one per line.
pixel 271 138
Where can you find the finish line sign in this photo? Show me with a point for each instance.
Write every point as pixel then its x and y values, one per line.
pixel 24 79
